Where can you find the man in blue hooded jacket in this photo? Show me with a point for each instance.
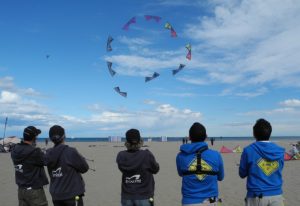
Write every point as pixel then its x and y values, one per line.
pixel 200 168
pixel 262 163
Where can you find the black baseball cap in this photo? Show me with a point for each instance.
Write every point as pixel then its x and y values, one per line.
pixel 30 133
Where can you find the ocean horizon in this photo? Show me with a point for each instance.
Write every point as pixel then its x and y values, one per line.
pixel 168 139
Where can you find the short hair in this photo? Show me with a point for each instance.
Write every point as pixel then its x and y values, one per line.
pixel 197 132
pixel 262 130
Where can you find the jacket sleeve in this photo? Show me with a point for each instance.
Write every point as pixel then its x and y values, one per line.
pixel 243 170
pixel 221 169
pixel 119 160
pixel 154 166
pixel 178 163
pixel 77 161
pixel 39 158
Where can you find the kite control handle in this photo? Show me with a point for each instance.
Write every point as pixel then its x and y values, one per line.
pixel 76 200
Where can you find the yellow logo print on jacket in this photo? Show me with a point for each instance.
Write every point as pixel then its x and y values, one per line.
pixel 204 166
pixel 268 167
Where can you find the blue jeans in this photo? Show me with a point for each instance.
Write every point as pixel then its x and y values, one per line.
pixel 135 202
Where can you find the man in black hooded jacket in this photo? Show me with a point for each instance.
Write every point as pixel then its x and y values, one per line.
pixel 137 167
pixel 29 170
pixel 65 166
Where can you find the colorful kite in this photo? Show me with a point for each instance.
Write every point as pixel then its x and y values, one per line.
pixel 117 89
pixel 155 74
pixel 155 18
pixel 175 71
pixel 189 54
pixel 111 71
pixel 108 44
pixel 131 21
pixel 173 32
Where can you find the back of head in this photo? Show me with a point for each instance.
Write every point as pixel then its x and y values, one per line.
pixel 262 130
pixel 57 134
pixel 197 132
pixel 30 133
pixel 133 139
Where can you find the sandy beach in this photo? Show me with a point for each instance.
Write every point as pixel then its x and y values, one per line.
pixel 103 186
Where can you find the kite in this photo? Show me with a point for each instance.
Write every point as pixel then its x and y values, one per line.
pixel 175 71
pixel 155 74
pixel 155 18
pixel 117 89
pixel 173 32
pixel 189 54
pixel 108 44
pixel 47 56
pixel 111 71
pixel 131 21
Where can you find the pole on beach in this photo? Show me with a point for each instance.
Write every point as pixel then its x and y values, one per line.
pixel 4 129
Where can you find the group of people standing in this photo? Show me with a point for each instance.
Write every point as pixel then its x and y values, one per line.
pixel 200 168
pixel 65 166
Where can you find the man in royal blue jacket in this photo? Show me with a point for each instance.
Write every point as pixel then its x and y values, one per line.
pixel 262 163
pixel 200 168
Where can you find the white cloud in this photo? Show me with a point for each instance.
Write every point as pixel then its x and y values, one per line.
pixel 9 97
pixel 133 41
pixel 157 121
pixel 141 66
pixel 291 103
pixel 255 41
pixel 248 94
pixel 7 83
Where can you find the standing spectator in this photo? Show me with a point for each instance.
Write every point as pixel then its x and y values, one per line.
pixel 29 169
pixel 262 163
pixel 200 168
pixel 65 166
pixel 137 167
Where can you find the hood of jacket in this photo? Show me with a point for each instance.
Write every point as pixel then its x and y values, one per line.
pixel 268 150
pixel 193 147
pixel 21 151
pixel 53 154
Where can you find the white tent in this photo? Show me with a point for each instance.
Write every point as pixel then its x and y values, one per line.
pixel 12 139
pixel 9 142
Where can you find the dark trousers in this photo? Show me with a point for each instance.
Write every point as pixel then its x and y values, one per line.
pixel 68 202
pixel 32 197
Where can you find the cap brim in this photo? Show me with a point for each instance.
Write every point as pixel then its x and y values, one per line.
pixel 38 131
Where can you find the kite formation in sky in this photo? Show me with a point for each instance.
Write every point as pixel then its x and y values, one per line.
pixel 175 71
pixel 111 71
pixel 108 44
pixel 126 27
pixel 154 75
pixel 117 89
pixel 189 54
pixel 173 32
pixel 131 21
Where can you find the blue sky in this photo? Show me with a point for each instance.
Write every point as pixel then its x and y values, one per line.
pixel 245 65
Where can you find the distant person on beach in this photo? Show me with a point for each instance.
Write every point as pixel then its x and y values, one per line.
pixel 137 167
pixel 200 168
pixel 65 166
pixel 46 142
pixel 29 170
pixel 212 139
pixel 262 163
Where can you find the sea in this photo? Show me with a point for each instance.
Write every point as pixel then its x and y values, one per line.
pixel 171 139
